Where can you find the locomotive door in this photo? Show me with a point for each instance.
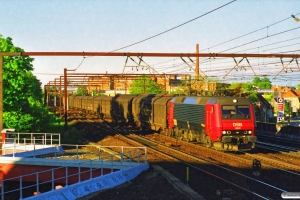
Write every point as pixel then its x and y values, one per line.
pixel 208 125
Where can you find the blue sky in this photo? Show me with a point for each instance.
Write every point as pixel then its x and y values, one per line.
pixel 102 26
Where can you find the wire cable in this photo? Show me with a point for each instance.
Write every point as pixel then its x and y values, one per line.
pixel 267 45
pixel 281 47
pixel 80 64
pixel 204 61
pixel 173 27
pixel 254 41
pixel 260 39
pixel 166 30
pixel 250 33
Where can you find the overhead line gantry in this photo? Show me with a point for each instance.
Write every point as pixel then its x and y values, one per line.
pixel 137 54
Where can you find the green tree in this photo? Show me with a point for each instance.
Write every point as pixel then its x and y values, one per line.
pixel 82 91
pixel 287 107
pixel 22 94
pixel 184 88
pixel 244 89
pixel 298 87
pixel 97 93
pixel 256 81
pixel 263 83
pixel 268 96
pixel 144 84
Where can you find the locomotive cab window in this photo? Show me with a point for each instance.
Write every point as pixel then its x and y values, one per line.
pixel 235 112
pixel 244 111
pixel 228 110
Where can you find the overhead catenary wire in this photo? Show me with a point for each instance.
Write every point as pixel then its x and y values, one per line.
pixel 268 45
pixel 290 51
pixel 228 67
pixel 204 60
pixel 259 39
pixel 184 67
pixel 249 33
pixel 281 47
pixel 254 40
pixel 168 29
pixel 174 27
pixel 220 43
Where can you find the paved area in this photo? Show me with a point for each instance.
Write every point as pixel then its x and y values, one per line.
pixel 179 185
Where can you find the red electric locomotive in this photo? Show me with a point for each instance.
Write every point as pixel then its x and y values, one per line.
pixel 226 123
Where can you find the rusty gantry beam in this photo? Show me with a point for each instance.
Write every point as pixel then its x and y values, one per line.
pixel 140 54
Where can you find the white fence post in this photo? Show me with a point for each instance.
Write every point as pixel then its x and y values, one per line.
pixel 77 152
pixel 14 147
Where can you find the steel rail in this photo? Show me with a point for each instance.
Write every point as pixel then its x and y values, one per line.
pixel 138 138
pixel 216 165
pixel 279 147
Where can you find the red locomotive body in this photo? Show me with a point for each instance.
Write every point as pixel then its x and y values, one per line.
pixel 226 123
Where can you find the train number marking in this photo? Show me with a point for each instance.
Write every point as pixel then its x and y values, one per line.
pixel 237 124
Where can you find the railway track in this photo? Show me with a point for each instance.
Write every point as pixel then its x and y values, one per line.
pixel 214 171
pixel 248 157
pixel 286 151
pixel 244 157
pixel 282 174
pixel 169 154
pixel 290 171
pixel 279 140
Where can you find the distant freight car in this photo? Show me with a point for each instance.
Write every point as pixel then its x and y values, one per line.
pixel 150 110
pixel 225 123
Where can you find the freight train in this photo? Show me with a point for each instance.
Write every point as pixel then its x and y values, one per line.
pixel 225 123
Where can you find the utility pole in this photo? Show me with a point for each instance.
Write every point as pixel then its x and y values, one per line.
pixel 197 62
pixel 65 103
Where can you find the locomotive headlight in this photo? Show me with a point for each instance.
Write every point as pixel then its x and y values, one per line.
pixel 249 132
pixel 234 100
pixel 223 132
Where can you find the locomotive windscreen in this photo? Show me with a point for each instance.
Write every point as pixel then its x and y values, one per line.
pixel 236 112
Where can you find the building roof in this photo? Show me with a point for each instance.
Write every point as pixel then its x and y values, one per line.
pixel 297 92
pixel 290 94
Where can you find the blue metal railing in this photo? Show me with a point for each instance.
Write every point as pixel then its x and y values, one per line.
pixel 126 155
